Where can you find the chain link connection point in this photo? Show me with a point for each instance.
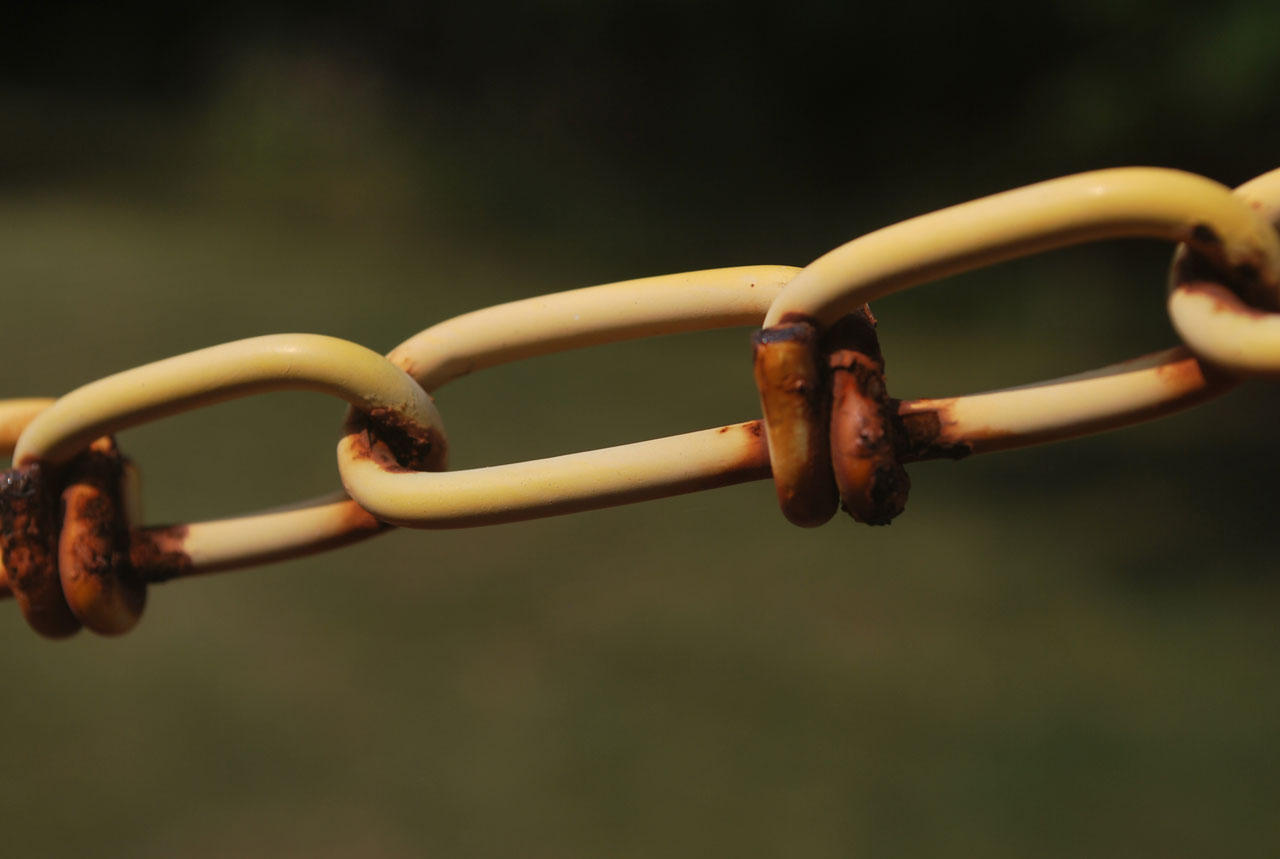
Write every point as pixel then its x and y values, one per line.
pixel 864 446
pixel 830 433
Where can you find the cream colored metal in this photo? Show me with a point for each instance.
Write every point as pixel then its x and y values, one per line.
pixel 1212 320
pixel 1141 389
pixel 629 310
pixel 310 526
pixel 564 484
pixel 14 417
pixel 276 362
pixel 1128 201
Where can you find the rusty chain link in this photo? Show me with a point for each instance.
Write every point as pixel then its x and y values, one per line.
pixel 73 553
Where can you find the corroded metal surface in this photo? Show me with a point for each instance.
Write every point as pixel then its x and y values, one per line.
pixel 28 535
pixel 98 578
pixel 793 399
pixel 864 450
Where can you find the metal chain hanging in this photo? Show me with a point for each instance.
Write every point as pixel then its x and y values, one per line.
pixel 72 552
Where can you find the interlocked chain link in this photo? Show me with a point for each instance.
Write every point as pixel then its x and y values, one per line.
pixel 73 553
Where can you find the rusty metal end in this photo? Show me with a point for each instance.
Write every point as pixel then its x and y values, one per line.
pixel 98 578
pixel 158 554
pixel 399 444
pixel 792 397
pixel 873 484
pixel 28 532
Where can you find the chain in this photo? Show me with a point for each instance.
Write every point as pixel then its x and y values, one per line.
pixel 73 552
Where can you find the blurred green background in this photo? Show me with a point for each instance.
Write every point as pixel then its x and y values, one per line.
pixel 1055 652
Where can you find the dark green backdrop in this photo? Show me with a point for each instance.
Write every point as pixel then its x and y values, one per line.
pixel 1056 652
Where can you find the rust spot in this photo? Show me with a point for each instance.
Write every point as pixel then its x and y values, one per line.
pixel 922 435
pixel 752 457
pixel 411 447
pixel 28 532
pixel 873 484
pixel 358 519
pixel 98 579
pixel 364 445
pixel 1188 373
pixel 158 553
pixel 1244 279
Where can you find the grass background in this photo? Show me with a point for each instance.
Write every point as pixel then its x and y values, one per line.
pixel 1056 651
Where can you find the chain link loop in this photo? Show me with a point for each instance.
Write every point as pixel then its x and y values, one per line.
pixel 72 552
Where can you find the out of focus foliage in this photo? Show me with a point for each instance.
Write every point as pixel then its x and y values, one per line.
pixel 1059 651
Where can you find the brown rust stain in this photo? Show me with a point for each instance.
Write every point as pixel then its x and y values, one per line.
pixel 98 578
pixel 158 554
pixel 756 453
pixel 873 484
pixel 922 435
pixel 1185 374
pixel 357 519
pixel 410 447
pixel 365 445
pixel 1204 267
pixel 755 428
pixel 28 532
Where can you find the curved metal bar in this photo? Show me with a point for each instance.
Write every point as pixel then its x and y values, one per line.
pixel 1104 204
pixel 1119 395
pixel 14 417
pixel 276 362
pixel 537 326
pixel 1224 231
pixel 1212 319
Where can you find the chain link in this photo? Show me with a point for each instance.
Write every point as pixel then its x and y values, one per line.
pixel 73 552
